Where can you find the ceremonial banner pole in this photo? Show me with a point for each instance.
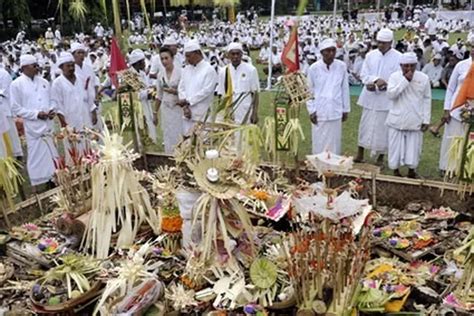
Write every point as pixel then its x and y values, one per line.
pixel 272 20
pixel 334 19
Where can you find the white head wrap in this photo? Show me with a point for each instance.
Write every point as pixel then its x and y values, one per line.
pixel 191 46
pixel 170 41
pixel 327 43
pixel 27 59
pixel 385 35
pixel 65 58
pixel 438 56
pixel 136 56
pixel 408 58
pixel 235 46
pixel 459 55
pixel 76 47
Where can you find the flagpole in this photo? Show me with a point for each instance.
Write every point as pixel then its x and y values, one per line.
pixel 272 20
pixel 334 19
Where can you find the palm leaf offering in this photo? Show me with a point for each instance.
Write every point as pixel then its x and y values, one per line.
pixel 120 204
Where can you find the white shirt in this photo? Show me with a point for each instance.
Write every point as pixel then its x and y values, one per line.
pixel 330 90
pixel 433 72
pixel 5 82
pixel 378 66
pixel 430 26
pixel 71 101
pixel 86 76
pixel 244 83
pixel 197 86
pixel 455 83
pixel 28 98
pixel 411 101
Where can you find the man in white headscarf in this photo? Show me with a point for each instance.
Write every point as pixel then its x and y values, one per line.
pixel 241 80
pixel 137 63
pixel 70 100
pixel 454 126
pixel 409 115
pixel 197 86
pixel 30 99
pixel 378 65
pixel 329 84
pixel 86 77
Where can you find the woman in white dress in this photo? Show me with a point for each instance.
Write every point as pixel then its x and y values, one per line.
pixel 167 97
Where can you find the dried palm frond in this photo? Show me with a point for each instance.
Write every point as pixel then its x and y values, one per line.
pixel 120 204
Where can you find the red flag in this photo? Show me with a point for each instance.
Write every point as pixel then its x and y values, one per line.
pixel 467 90
pixel 290 56
pixel 117 62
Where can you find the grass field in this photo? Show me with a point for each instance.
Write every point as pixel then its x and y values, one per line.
pixel 429 161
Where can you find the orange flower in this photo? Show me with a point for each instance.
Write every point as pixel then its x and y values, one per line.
pixel 260 195
pixel 171 224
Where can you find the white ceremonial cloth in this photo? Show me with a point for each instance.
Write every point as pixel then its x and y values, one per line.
pixel 28 98
pixel 171 114
pixel 373 134
pixel 197 86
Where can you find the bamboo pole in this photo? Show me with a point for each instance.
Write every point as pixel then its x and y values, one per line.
pixel 116 13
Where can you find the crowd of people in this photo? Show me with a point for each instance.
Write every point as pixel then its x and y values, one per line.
pixel 61 82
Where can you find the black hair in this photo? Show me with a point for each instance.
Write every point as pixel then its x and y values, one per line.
pixel 166 50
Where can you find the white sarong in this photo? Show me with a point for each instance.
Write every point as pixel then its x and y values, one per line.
pixel 41 155
pixel 452 129
pixel 404 148
pixel 172 125
pixel 14 138
pixel 148 113
pixel 373 133
pixel 326 135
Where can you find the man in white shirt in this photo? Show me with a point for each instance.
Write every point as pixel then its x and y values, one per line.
pixel 454 126
pixel 85 76
pixel 433 70
pixel 196 88
pixel 99 30
pixel 409 115
pixel 5 108
pixel 431 25
pixel 378 65
pixel 30 99
pixel 137 63
pixel 69 98
pixel 329 84
pixel 57 36
pixel 244 86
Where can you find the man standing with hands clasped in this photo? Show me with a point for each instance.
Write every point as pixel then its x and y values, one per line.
pixel 30 100
pixel 378 65
pixel 328 81
pixel 196 88
pixel 409 116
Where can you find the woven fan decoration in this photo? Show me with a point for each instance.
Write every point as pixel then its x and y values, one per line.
pixel 296 86
pixel 131 79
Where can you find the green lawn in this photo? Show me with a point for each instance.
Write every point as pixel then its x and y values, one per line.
pixel 429 161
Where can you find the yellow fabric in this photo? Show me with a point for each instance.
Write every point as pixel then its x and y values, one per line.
pixel 381 269
pixel 229 88
pixel 138 111
pixel 8 144
pixel 396 305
